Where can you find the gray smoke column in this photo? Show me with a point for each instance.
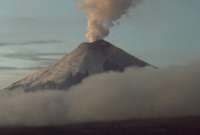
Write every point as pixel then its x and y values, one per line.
pixel 103 14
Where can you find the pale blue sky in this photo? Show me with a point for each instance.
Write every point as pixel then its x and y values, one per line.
pixel 33 33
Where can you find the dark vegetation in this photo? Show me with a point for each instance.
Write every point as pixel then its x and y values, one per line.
pixel 179 126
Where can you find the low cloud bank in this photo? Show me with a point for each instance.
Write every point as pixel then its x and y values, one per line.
pixel 136 93
pixel 37 42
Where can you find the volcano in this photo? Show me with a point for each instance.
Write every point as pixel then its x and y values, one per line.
pixel 88 59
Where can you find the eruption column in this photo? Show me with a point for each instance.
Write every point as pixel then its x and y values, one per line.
pixel 103 14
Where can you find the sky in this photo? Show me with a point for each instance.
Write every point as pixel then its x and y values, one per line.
pixel 35 33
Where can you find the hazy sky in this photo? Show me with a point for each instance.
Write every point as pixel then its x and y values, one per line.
pixel 33 33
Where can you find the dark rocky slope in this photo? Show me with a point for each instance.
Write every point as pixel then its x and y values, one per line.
pixel 86 60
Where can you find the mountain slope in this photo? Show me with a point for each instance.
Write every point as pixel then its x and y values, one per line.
pixel 89 58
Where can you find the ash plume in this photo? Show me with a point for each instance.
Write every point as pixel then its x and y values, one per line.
pixel 104 14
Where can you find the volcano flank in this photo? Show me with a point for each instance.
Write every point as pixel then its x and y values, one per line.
pixel 88 59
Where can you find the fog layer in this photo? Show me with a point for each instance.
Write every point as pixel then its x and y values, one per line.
pixel 136 93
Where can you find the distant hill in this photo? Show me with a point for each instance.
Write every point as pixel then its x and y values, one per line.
pixel 167 126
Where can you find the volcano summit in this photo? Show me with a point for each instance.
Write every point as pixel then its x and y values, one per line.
pixel 88 59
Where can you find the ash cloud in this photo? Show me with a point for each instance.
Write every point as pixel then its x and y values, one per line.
pixel 104 14
pixel 136 93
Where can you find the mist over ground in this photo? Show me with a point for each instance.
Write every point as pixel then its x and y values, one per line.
pixel 136 93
